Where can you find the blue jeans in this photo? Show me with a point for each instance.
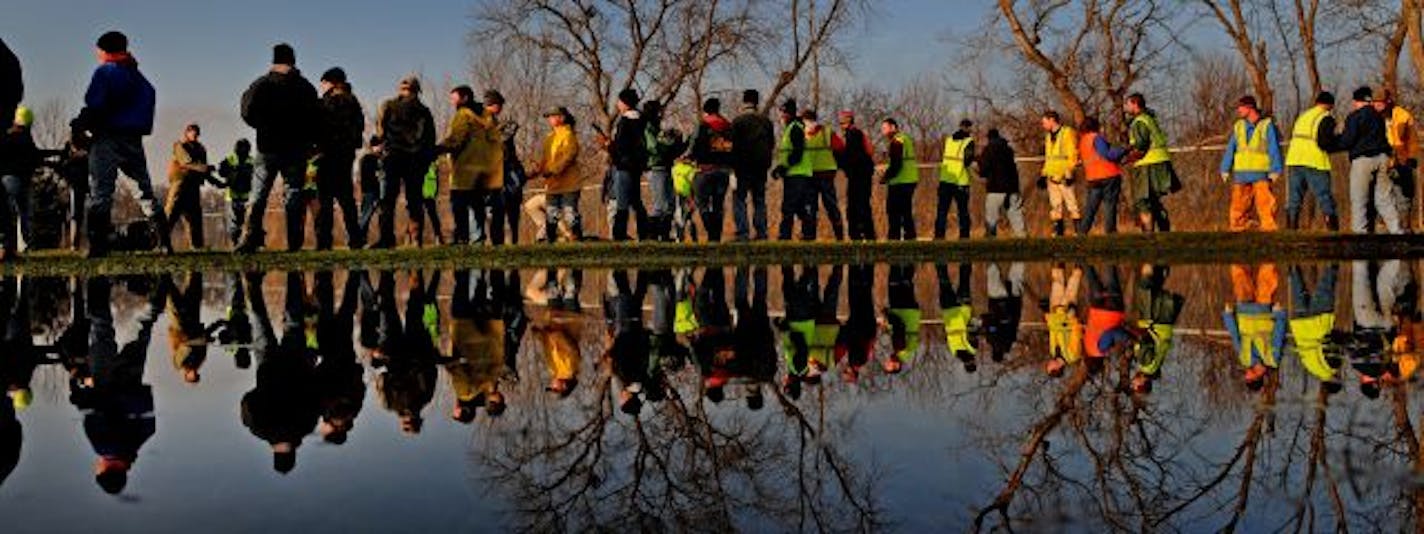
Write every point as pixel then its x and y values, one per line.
pixel 661 191
pixel 17 198
pixel 1315 180
pixel 751 187
pixel 623 197
pixel 292 168
pixel 710 192
pixel 107 157
pixel 565 205
pixel 1102 193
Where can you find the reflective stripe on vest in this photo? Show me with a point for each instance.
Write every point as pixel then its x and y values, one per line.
pixel 1256 331
pixel 952 169
pixel 956 328
pixel 1095 166
pixel 1156 141
pixel 909 165
pixel 1252 154
pixel 1304 149
pixel 1058 157
pixel 783 153
pixel 818 150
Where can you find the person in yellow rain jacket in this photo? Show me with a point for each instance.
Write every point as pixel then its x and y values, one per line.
pixel 555 328
pixel 904 319
pixel 1256 322
pixel 1065 327
pixel 1060 158
pixel 1157 311
pixel 476 347
pixel 1402 132
pixel 1312 319
pixel 956 308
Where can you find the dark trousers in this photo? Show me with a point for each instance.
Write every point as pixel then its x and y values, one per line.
pixel 900 209
pixel 467 204
pixel 859 216
pixel 710 191
pixel 402 171
pixel 236 218
pixel 292 168
pixel 370 203
pixel 504 214
pixel 186 204
pixel 1102 193
pixel 798 201
pixel 336 189
pixel 957 195
pixel 826 191
pixel 751 188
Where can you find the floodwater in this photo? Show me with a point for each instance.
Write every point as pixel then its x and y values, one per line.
pixel 796 398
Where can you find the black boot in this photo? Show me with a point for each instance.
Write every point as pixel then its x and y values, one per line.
pixel 1332 223
pixel 1292 221
pixel 1058 228
pixel 161 228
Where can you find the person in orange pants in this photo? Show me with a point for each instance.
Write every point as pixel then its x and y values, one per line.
pixel 1251 163
pixel 1256 322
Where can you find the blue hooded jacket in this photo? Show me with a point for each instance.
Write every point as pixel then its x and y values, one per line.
pixel 120 101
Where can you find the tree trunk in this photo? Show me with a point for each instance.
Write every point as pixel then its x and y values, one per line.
pixel 1412 21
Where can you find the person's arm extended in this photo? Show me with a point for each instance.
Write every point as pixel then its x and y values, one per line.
pixel 798 144
pixel 897 158
pixel 1351 135
pixel 1273 148
pixel 1107 151
pixel 1228 155
pixel 1325 136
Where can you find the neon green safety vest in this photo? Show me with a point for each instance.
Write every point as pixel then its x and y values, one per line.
pixel 1309 334
pixel 1151 362
pixel 310 184
pixel 807 330
pixel 818 148
pixel 909 166
pixel 1304 151
pixel 956 328
pixel 234 162
pixel 1156 140
pixel 684 318
pixel 430 317
pixel 1252 154
pixel 802 168
pixel 911 318
pixel 432 180
pixel 1256 330
pixel 1060 154
pixel 952 169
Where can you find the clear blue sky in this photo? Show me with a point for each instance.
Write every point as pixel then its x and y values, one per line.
pixel 202 54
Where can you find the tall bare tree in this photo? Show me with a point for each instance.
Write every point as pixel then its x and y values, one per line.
pixel 1243 29
pixel 800 47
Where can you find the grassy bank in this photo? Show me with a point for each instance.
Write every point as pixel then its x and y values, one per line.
pixel 1178 248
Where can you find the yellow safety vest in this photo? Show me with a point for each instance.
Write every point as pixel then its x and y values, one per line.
pixel 952 169
pixel 910 165
pixel 911 317
pixel 1065 335
pixel 1157 140
pixel 1252 154
pixel 818 150
pixel 802 168
pixel 1309 334
pixel 1060 155
pixel 1256 331
pixel 956 328
pixel 1304 151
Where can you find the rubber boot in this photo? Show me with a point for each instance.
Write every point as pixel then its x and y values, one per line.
pixel 1332 223
pixel 159 224
pixel 1058 228
pixel 1078 228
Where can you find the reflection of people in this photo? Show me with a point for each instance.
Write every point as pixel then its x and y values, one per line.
pixel 476 353
pixel 556 327
pixel 236 332
pixel 407 382
pixel 1157 310
pixel 670 352
pixel 1001 322
pixel 628 343
pixel 1255 320
pixel 855 345
pixel 714 341
pixel 1106 312
pixel 1380 294
pixel 117 405
pixel 17 365
pixel 754 337
pixel 957 310
pixel 1065 328
pixel 798 327
pixel 1312 318
pixel 339 375
pixel 187 335
pixel 904 319
pixel 283 407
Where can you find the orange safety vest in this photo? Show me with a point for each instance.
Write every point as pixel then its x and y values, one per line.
pixel 1095 166
pixel 1100 321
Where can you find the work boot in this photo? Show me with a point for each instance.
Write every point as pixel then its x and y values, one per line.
pixel 160 227
pixel 1292 221
pixel 1079 228
pixel 1332 223
pixel 1058 228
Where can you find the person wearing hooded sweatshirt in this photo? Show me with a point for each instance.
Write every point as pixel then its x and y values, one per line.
pixel 955 171
pixel 558 166
pixel 117 405
pixel 1403 136
pixel 476 351
pixel 12 83
pixel 712 152
pixel 627 155
pixel 338 137
pixel 1153 176
pixel 1312 319
pixel 1256 322
pixel 798 198
pixel 956 308
pixel 283 107
pixel 407 131
pixel 754 146
pixel 476 151
pixel 236 169
pixel 855 155
pixel 18 159
pixel 1252 161
pixel 118 113
pixel 665 145
pixel 493 181
pixel 282 407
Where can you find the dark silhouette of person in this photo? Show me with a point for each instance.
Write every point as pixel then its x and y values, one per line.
pixel 714 341
pixel 754 337
pixel 956 308
pixel 410 350
pixel 1005 310
pixel 187 335
pixel 282 408
pixel 629 342
pixel 478 333
pixel 339 375
pixel 903 317
pixel 855 344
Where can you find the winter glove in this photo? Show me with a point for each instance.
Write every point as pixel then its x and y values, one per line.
pixel 1273 176
pixel 779 172
pixel 1225 177
pixel 1412 163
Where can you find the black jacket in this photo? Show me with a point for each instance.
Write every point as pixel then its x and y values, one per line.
pixel 18 154
pixel 997 167
pixel 753 139
pixel 1364 135
pixel 408 127
pixel 12 85
pixel 284 110
pixel 854 159
pixel 627 149
pixel 342 122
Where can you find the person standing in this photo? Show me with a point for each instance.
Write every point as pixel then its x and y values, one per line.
pixel 283 107
pixel 1153 176
pixel 1060 157
pixel 236 169
pixel 902 175
pixel 511 196
pixel 369 168
pixel 626 155
pixel 12 83
pixel 338 138
pixel 1256 321
pixel 855 155
pixel 1366 140
pixel 753 146
pixel 494 152
pixel 1100 166
pixel 118 113
pixel 798 200
pixel 476 151
pixel 1400 130
pixel 18 159
pixel 187 172
pixel 407 131
pixel 664 147
pixel 1308 159
pixel 558 166
pixel 429 193
pixel 823 170
pixel 1001 176
pixel 954 175
pixel 1253 160
pixel 712 152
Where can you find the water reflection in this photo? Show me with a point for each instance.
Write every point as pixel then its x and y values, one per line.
pixel 796 397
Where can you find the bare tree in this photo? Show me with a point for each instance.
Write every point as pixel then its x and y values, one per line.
pixel 1238 24
pixel 809 46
